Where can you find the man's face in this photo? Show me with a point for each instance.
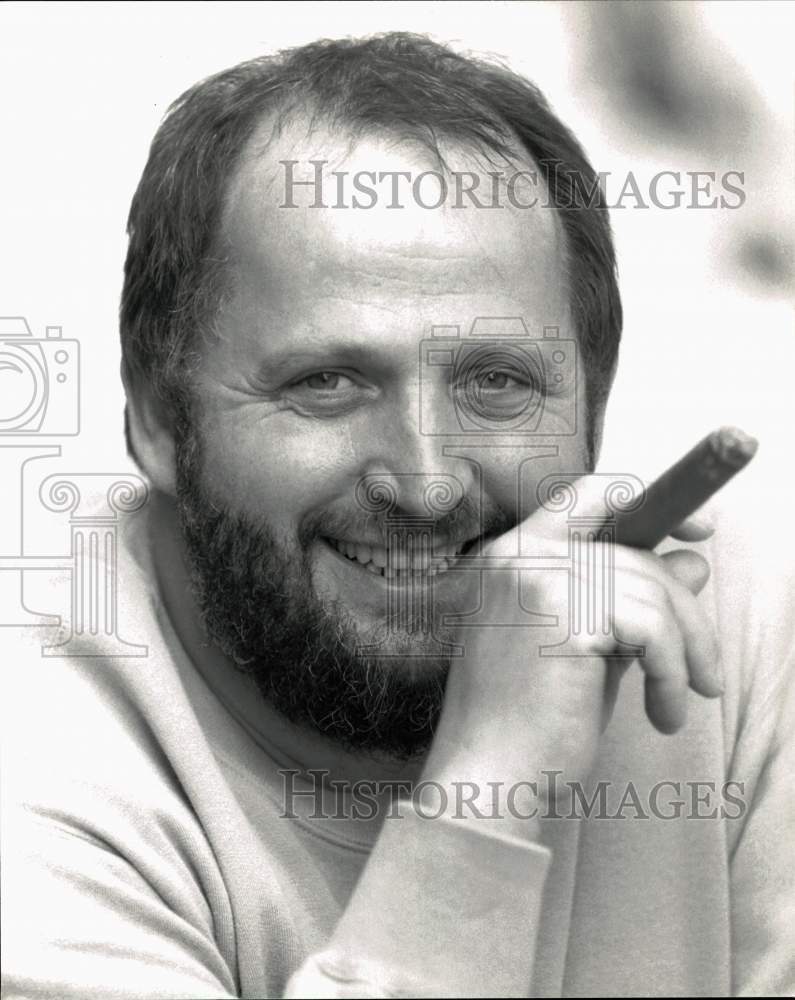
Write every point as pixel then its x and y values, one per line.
pixel 321 393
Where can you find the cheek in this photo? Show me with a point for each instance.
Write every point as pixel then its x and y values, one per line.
pixel 275 472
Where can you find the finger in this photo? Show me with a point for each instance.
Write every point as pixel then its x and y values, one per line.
pixel 645 616
pixel 702 651
pixel 689 568
pixel 663 662
pixel 550 520
pixel 666 703
pixel 693 530
pixel 547 522
pixel 674 579
pixel 617 666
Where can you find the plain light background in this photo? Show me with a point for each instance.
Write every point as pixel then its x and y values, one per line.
pixel 85 85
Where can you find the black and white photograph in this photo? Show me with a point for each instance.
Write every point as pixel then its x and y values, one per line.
pixel 492 301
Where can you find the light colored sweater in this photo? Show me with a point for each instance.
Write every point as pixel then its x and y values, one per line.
pixel 146 854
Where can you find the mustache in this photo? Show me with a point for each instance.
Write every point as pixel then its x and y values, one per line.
pixel 467 520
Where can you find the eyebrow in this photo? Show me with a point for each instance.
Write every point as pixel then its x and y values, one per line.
pixel 285 360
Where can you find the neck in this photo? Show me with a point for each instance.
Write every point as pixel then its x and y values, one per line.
pixel 304 748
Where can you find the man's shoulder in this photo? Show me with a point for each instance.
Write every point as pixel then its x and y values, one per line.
pixel 75 734
pixel 84 725
pixel 98 827
pixel 751 599
pixel 752 594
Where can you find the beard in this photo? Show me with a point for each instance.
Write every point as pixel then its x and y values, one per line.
pixel 375 691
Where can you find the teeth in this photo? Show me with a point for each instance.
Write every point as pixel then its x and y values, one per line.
pixel 402 560
pixel 378 557
pixel 397 563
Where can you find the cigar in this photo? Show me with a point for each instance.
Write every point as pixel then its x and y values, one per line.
pixel 687 485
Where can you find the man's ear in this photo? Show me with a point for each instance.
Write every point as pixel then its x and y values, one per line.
pixel 151 437
pixel 596 434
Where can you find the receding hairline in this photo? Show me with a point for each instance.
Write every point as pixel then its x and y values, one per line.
pixel 408 82
pixel 305 122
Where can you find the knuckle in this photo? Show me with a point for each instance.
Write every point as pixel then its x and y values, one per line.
pixel 659 626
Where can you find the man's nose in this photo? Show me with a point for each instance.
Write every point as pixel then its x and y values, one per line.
pixel 415 467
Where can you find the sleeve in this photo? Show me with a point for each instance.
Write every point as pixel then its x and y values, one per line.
pixel 763 860
pixel 81 922
pixel 755 606
pixel 441 909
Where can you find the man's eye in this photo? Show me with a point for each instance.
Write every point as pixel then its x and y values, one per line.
pixel 325 381
pixel 496 393
pixel 327 393
pixel 498 379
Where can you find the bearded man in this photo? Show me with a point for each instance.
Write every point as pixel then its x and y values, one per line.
pixel 370 318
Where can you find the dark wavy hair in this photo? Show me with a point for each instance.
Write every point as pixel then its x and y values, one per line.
pixel 399 84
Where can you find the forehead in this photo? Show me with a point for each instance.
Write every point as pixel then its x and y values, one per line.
pixel 395 257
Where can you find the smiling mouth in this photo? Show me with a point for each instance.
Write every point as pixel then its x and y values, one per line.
pixel 405 563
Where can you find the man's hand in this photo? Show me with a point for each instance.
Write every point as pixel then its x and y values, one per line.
pixel 511 713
